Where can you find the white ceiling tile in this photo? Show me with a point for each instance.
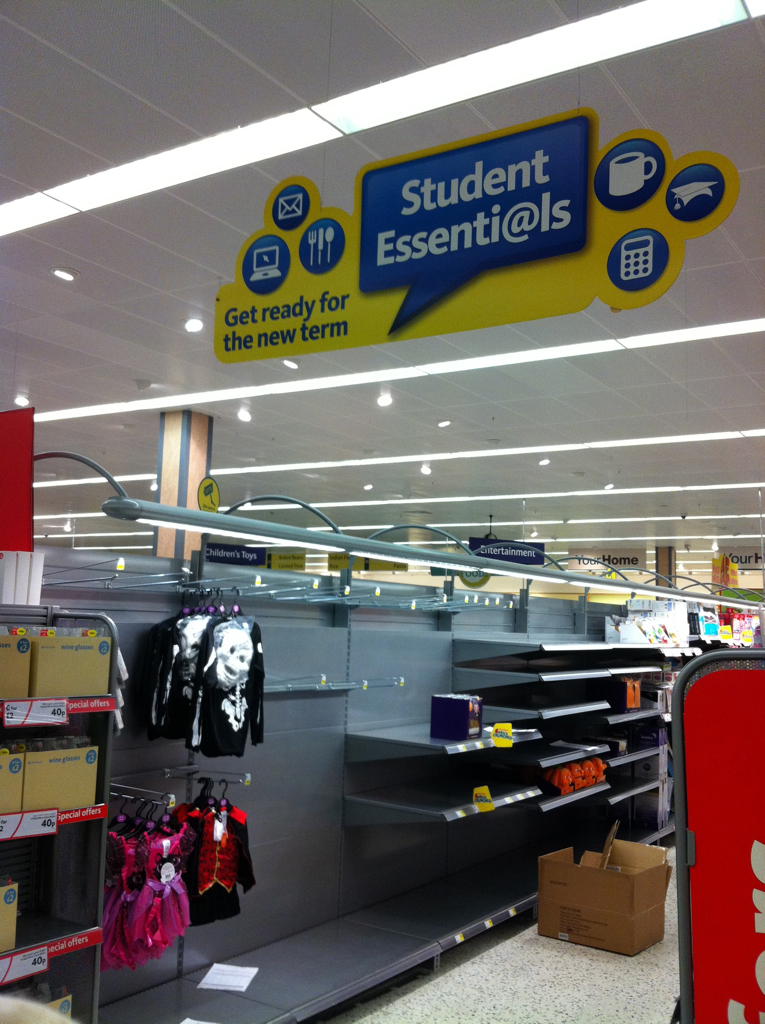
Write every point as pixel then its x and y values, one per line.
pixel 79 106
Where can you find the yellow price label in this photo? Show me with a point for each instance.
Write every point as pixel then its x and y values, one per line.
pixel 502 734
pixel 482 799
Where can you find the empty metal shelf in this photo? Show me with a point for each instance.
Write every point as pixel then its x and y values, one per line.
pixel 555 802
pixel 595 673
pixel 561 711
pixel 469 679
pixel 621 792
pixel 620 717
pixel 634 755
pixel 436 800
pixel 546 755
pixel 406 741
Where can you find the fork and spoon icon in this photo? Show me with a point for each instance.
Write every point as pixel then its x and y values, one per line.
pixel 324 235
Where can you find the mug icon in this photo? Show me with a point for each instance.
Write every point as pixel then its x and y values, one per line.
pixel 627 172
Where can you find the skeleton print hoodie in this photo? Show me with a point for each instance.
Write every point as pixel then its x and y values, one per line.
pixel 228 691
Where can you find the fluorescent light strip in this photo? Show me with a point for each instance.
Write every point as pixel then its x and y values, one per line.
pixel 234 533
pixel 255 142
pixel 670 489
pixel 106 547
pixel 534 355
pixel 79 536
pixel 603 37
pixel 627 30
pixel 388 460
pixel 71 515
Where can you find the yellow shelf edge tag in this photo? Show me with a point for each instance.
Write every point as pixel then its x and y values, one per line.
pixel 482 798
pixel 502 734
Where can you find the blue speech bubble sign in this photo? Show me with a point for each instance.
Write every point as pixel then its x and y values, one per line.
pixel 437 221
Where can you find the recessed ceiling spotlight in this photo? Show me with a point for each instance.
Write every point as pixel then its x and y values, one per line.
pixel 425 469
pixel 715 546
pixel 385 398
pixel 368 487
pixel 290 363
pixel 608 487
pixel 67 527
pixel 534 533
pixel 153 485
pixel 445 423
pixel 244 415
pixel 681 567
pixel 194 325
pixel 64 273
pixel 544 462
pixel 21 399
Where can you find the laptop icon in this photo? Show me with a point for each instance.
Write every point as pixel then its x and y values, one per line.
pixel 265 263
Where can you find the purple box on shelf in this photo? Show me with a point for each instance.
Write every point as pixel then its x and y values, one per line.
pixel 456 716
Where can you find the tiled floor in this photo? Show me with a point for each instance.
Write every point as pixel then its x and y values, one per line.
pixel 512 976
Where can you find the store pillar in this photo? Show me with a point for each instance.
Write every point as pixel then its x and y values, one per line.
pixel 665 564
pixel 183 461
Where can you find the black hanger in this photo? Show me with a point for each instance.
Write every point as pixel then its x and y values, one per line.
pixel 120 817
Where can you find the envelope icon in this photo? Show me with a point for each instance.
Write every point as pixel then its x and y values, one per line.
pixel 290 206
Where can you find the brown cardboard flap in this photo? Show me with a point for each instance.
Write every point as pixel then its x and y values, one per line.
pixel 608 844
pixel 591 859
pixel 636 855
pixel 669 876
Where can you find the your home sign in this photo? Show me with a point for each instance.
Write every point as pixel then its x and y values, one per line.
pixel 527 222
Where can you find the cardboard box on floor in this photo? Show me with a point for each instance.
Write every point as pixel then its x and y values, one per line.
pixel 612 900
pixel 69 666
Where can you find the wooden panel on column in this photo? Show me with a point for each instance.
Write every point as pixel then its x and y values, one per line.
pixel 183 461
pixel 665 564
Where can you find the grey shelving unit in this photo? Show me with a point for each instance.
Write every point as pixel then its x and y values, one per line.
pixel 61 875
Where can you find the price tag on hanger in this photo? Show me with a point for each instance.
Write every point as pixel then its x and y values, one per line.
pixel 36 712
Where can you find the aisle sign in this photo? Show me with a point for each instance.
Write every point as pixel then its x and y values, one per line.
pixel 526 222
pixel 509 550
pixel 36 712
pixel 619 558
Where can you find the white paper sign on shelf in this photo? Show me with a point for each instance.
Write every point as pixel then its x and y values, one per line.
pixel 36 712
pixel 21 965
pixel 228 978
pixel 28 823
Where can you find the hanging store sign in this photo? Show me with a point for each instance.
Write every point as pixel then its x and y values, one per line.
pixel 527 222
pixel 509 550
pixel 235 554
pixel 617 558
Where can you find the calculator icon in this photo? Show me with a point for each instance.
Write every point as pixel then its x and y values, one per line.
pixel 636 257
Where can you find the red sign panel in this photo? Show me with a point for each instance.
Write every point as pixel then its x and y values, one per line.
pixel 17 431
pixel 728 879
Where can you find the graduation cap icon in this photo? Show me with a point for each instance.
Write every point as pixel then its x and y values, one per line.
pixel 685 193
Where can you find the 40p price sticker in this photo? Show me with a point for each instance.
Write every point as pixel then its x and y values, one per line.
pixel 27 824
pixel 36 712
pixel 21 965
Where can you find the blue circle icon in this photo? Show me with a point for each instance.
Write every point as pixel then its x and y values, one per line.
pixel 266 264
pixel 322 246
pixel 90 756
pixel 638 259
pixel 23 645
pixel 103 647
pixel 15 766
pixel 65 1007
pixel 10 896
pixel 695 192
pixel 291 207
pixel 629 174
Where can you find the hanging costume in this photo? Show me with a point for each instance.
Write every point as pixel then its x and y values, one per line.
pixel 220 859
